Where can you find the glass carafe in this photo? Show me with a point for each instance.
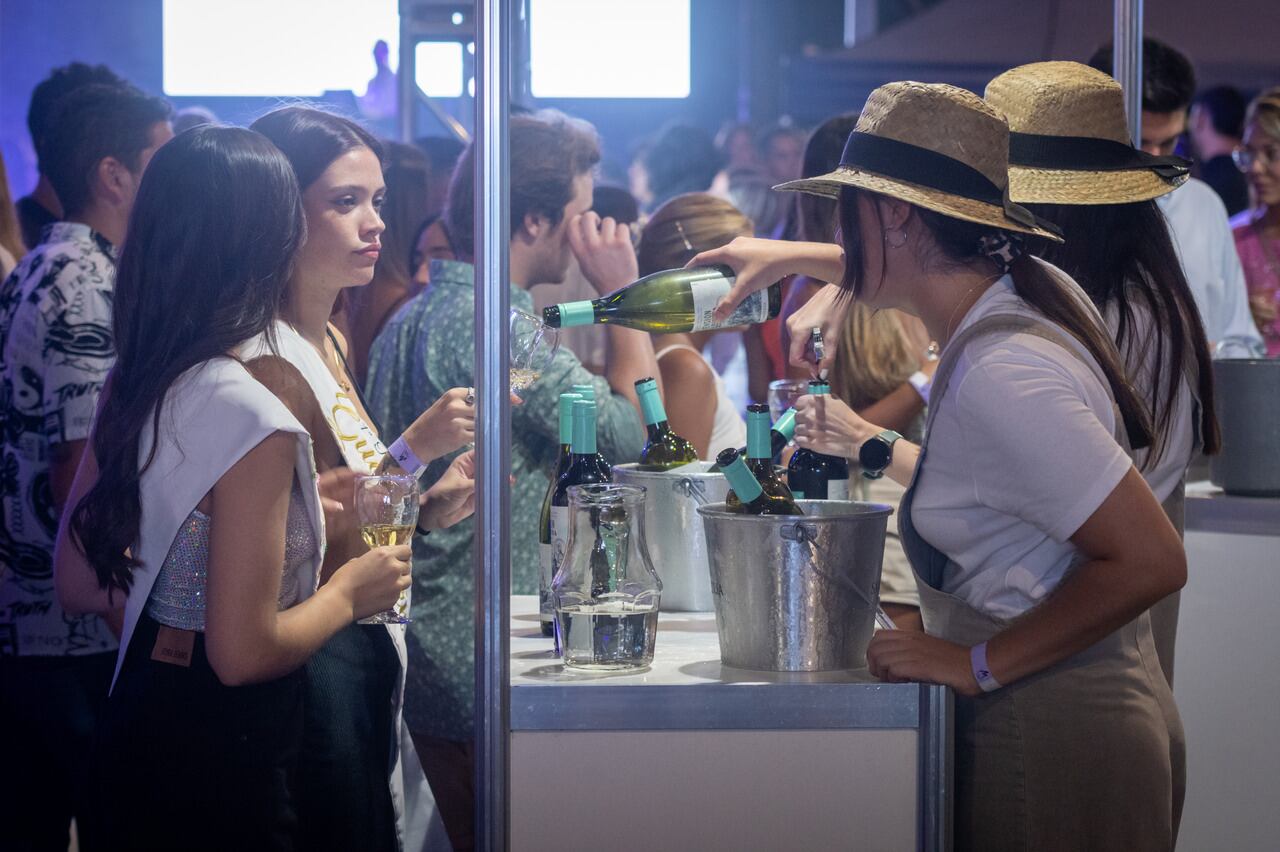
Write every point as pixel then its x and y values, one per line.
pixel 606 592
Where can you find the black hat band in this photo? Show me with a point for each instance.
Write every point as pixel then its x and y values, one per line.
pixel 1088 154
pixel 903 161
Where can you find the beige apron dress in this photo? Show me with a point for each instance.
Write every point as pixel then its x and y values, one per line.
pixel 1087 754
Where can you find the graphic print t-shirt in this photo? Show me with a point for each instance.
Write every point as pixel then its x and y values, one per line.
pixel 55 350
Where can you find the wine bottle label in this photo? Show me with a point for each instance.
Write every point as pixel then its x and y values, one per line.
pixel 837 489
pixel 708 292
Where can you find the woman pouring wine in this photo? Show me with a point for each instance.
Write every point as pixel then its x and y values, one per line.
pixel 1036 544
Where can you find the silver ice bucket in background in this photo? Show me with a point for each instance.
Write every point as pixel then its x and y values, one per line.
pixel 677 542
pixel 797 594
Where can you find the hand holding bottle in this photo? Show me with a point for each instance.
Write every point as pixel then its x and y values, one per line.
pixel 829 426
pixel 372 582
pixel 758 263
pixel 604 251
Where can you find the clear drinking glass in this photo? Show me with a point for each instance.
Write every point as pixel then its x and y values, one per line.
pixel 606 593
pixel 783 394
pixel 533 345
pixel 387 509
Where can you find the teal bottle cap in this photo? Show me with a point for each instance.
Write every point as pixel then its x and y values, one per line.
pixel 786 425
pixel 759 445
pixel 584 427
pixel 650 401
pixel 741 480
pixel 818 388
pixel 576 313
pixel 587 391
pixel 566 416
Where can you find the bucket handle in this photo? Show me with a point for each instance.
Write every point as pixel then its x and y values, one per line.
pixel 693 489
pixel 808 534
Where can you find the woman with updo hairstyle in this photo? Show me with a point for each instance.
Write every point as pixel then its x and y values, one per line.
pixel 698 405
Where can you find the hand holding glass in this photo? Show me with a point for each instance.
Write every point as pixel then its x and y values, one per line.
pixel 387 510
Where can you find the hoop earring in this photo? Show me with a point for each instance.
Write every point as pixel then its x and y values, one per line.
pixel 899 243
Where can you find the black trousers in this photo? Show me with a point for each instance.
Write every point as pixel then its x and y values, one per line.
pixel 49 707
pixel 183 762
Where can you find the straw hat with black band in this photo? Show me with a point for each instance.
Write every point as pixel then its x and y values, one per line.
pixel 1069 142
pixel 935 146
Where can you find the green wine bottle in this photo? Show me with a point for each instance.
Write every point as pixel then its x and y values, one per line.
pixel 812 475
pixel 780 434
pixel 759 457
pixel 669 302
pixel 747 496
pixel 547 565
pixel 663 449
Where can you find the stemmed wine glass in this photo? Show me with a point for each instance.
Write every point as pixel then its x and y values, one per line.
pixel 533 345
pixel 387 509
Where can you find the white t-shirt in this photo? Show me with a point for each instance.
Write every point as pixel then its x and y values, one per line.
pixel 1020 453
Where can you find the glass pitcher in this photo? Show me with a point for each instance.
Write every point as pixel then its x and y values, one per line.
pixel 606 592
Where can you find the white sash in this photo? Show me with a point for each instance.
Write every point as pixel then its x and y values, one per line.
pixel 213 414
pixel 418 823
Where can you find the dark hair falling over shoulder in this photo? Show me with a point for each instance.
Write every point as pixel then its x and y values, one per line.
pixel 1123 257
pixel 958 241
pixel 211 242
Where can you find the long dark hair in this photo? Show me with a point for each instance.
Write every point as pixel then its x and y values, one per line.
pixel 210 246
pixel 1123 257
pixel 312 139
pixel 959 241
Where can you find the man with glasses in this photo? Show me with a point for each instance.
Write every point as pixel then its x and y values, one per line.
pixel 1197 217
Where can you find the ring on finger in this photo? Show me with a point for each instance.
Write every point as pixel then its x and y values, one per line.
pixel 470 398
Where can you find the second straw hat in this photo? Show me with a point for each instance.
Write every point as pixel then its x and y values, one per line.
pixel 935 146
pixel 1069 142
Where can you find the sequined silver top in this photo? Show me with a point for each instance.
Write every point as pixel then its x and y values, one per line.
pixel 178 596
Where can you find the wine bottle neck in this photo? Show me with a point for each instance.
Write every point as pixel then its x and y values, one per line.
pixel 758 444
pixel 576 313
pixel 742 481
pixel 655 413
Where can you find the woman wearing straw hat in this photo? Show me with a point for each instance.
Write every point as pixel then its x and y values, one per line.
pixel 1070 159
pixel 1036 544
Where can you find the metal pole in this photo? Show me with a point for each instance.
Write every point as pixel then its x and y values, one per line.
pixel 406 75
pixel 493 415
pixel 1126 61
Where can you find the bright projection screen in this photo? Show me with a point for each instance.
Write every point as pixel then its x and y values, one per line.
pixel 239 48
pixel 609 48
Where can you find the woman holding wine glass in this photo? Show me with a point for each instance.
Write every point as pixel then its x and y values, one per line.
pixel 197 514
pixel 355 791
pixel 1037 546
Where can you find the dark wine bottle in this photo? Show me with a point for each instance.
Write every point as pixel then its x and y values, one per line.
pixel 588 392
pixel 585 467
pixel 547 565
pixel 747 495
pixel 669 302
pixel 813 475
pixel 663 449
pixel 758 457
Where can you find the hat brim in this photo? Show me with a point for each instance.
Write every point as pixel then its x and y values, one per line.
pixel 955 206
pixel 1069 186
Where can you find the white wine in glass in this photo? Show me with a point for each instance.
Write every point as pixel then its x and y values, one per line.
pixel 522 378
pixel 387 509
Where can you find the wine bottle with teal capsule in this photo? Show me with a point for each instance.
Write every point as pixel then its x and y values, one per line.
pixel 780 434
pixel 585 467
pixel 663 449
pixel 588 392
pixel 747 495
pixel 816 476
pixel 669 302
pixel 547 566
pixel 759 454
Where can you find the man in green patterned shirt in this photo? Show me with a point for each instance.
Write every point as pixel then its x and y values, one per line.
pixel 428 347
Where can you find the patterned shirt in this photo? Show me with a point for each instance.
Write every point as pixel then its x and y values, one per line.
pixel 427 348
pixel 55 350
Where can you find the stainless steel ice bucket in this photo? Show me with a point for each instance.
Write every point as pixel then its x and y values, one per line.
pixel 1247 393
pixel 677 542
pixel 796 594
